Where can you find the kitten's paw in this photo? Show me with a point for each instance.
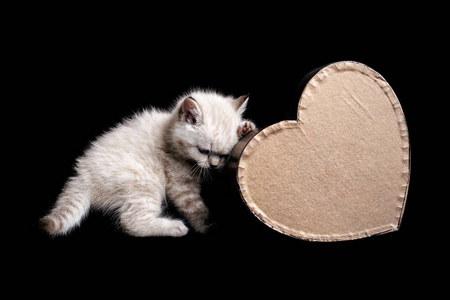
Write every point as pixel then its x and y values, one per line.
pixel 201 219
pixel 201 227
pixel 48 225
pixel 245 128
pixel 177 228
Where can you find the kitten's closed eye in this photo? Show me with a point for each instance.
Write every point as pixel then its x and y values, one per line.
pixel 203 151
pixel 208 152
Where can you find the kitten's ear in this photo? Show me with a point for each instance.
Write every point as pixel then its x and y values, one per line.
pixel 190 112
pixel 241 103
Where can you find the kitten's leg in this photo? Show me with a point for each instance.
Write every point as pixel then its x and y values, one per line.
pixel 188 200
pixel 245 128
pixel 141 217
pixel 70 208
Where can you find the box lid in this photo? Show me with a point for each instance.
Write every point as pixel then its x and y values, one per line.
pixel 341 170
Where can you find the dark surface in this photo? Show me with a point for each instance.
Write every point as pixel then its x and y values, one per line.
pixel 85 75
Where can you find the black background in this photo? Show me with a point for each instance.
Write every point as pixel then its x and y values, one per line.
pixel 85 70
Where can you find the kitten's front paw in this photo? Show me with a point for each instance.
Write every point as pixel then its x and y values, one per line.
pixel 201 228
pixel 201 225
pixel 245 128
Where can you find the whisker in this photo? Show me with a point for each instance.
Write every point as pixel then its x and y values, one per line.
pixel 206 175
pixel 194 170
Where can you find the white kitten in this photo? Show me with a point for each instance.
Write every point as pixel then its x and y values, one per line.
pixel 157 154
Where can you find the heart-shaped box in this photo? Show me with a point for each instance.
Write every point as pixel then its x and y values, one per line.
pixel 341 170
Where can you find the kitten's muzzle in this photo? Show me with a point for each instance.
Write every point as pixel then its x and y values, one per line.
pixel 214 167
pixel 213 160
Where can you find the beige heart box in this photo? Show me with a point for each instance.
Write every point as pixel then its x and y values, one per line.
pixel 341 170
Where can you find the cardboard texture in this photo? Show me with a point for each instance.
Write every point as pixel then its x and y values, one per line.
pixel 341 170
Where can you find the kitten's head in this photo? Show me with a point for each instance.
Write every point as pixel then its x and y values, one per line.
pixel 206 127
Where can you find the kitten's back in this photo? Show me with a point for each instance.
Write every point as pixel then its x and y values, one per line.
pixel 130 152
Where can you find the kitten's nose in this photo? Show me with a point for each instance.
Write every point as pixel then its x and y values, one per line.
pixel 214 162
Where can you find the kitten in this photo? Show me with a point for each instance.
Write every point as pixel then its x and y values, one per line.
pixel 156 154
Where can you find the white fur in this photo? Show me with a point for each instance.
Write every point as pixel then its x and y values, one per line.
pixel 133 167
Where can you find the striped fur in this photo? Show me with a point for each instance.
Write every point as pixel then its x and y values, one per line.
pixel 153 157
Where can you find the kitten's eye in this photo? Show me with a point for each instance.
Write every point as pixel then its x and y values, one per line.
pixel 203 151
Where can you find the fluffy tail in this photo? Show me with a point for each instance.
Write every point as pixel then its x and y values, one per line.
pixel 70 208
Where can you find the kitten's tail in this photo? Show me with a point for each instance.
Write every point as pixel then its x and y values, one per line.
pixel 70 208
